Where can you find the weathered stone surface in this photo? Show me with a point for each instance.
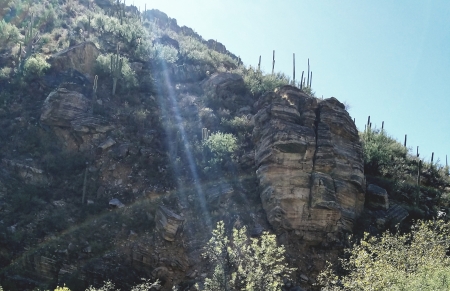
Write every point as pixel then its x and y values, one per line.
pixel 377 197
pixel 90 124
pixel 80 57
pixel 62 106
pixel 309 162
pixel 167 223
pixel 109 142
pixel 222 84
pixel 30 174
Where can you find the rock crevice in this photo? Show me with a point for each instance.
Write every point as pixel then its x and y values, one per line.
pixel 309 164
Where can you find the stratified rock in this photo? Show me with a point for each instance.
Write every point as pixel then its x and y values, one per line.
pixel 167 223
pixel 62 106
pixel 90 124
pixel 80 57
pixel 310 164
pixel 377 198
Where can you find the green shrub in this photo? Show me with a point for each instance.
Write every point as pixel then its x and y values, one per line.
pixel 383 155
pixel 258 83
pixel 35 66
pixel 9 34
pixel 221 147
pixel 243 263
pixel 103 68
pixel 5 73
pixel 416 260
pixel 239 125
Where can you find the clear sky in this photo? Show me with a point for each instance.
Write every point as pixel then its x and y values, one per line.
pixel 387 59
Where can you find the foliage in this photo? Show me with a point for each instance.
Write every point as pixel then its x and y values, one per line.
pixel 146 51
pixel 196 52
pixel 5 73
pixel 62 288
pixel 35 66
pixel 146 285
pixel 244 264
pixel 258 83
pixel 103 68
pixel 238 123
pixel 416 260
pixel 383 155
pixel 220 146
pixel 9 34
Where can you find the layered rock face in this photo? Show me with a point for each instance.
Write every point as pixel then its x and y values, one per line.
pixel 310 164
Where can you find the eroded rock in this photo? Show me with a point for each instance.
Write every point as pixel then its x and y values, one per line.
pixel 168 223
pixel 80 57
pixel 62 106
pixel 310 164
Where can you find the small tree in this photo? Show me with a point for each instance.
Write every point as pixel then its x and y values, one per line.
pixel 221 147
pixel 413 261
pixel 243 263
pixel 35 66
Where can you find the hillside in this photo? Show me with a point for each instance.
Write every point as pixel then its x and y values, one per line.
pixel 126 138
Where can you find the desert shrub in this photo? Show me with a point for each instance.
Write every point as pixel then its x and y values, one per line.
pixel 9 34
pixel 103 68
pixel 416 260
pixel 35 66
pixel 165 53
pixel 243 263
pixel 196 52
pixel 5 73
pixel 258 83
pixel 220 147
pixel 238 124
pixel 383 155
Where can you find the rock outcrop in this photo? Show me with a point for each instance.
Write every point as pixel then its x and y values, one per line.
pixel 310 164
pixel 63 106
pixel 80 57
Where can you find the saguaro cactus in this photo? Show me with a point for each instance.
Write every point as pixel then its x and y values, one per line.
pixel 94 93
pixel 116 69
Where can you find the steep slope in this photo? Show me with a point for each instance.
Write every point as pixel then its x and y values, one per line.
pixel 96 185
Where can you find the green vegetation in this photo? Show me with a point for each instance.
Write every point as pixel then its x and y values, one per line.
pixel 35 67
pixel 259 83
pixel 9 34
pixel 243 263
pixel 106 66
pixel 220 147
pixel 416 260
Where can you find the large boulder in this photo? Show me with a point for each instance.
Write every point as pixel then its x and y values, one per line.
pixel 310 164
pixel 62 106
pixel 377 198
pixel 80 57
pixel 224 84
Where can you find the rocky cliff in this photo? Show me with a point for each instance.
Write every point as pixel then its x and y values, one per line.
pixel 310 165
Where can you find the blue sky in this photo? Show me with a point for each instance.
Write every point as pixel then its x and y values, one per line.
pixel 386 59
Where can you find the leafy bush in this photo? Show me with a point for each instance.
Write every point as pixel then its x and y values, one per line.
pixel 412 261
pixel 383 155
pixel 196 52
pixel 146 51
pixel 35 66
pixel 103 68
pixel 221 147
pixel 5 73
pixel 258 83
pixel 9 34
pixel 244 264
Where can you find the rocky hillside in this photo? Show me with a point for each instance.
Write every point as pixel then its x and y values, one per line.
pixel 126 138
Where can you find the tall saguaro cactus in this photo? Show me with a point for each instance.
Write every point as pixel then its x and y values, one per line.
pixel 116 69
